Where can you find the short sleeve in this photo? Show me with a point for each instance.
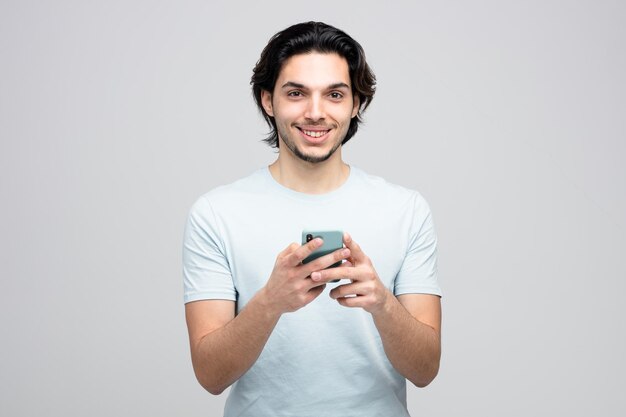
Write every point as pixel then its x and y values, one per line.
pixel 418 273
pixel 206 271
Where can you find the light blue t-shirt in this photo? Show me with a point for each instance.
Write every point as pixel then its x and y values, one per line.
pixel 324 359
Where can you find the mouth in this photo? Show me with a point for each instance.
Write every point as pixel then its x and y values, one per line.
pixel 316 135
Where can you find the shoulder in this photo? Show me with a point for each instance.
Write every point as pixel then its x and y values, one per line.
pixel 390 192
pixel 234 193
pixel 228 201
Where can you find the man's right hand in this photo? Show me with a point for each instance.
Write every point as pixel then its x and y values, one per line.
pixel 216 332
pixel 290 286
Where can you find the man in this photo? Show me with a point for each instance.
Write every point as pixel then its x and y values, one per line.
pixel 287 339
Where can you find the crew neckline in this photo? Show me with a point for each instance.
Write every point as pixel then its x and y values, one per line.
pixel 331 195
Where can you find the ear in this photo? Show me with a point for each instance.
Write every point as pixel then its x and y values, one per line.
pixel 266 101
pixel 355 106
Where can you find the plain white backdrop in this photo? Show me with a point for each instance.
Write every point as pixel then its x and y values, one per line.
pixel 508 116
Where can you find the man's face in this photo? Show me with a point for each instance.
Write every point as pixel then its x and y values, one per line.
pixel 312 105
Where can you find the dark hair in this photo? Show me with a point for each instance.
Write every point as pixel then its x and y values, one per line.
pixel 305 38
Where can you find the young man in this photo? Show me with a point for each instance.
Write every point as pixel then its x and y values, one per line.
pixel 287 339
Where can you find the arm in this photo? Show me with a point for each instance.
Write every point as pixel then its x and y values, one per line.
pixel 410 328
pixel 409 325
pixel 224 347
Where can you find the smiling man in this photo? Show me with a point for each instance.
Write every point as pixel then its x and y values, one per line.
pixel 287 338
pixel 319 105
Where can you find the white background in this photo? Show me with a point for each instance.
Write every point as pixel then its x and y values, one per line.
pixel 509 117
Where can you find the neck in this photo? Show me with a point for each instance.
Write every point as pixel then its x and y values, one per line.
pixel 310 178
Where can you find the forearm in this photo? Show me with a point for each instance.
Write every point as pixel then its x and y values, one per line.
pixel 413 348
pixel 224 355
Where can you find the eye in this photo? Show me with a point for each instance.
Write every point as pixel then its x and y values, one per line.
pixel 294 93
pixel 336 95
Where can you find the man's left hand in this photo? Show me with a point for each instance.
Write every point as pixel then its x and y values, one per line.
pixel 366 289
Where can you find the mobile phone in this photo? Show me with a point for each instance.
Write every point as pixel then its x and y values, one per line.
pixel 333 240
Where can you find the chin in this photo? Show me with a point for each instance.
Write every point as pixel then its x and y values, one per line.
pixel 314 159
pixel 318 155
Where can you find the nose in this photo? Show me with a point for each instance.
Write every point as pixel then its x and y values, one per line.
pixel 315 108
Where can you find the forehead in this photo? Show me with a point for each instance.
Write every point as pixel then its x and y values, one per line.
pixel 314 70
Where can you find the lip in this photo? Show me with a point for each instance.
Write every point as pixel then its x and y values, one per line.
pixel 311 139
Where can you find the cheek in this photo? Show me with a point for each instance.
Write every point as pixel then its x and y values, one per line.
pixel 344 115
pixel 345 111
pixel 287 114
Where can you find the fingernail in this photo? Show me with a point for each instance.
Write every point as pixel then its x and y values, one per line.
pixel 345 252
pixel 315 276
pixel 318 241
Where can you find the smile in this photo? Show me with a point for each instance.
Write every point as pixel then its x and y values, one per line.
pixel 314 133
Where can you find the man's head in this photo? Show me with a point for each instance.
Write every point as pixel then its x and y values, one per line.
pixel 311 38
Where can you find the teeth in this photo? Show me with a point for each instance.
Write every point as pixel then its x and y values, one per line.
pixel 314 134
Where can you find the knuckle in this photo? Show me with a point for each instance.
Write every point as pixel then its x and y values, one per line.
pixel 318 264
pixel 284 258
pixel 302 298
pixel 311 265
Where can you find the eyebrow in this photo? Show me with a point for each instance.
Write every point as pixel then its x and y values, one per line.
pixel 330 87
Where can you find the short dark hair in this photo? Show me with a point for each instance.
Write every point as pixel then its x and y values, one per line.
pixel 305 38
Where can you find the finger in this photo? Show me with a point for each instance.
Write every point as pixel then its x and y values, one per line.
pixel 297 256
pixel 333 273
pixel 314 292
pixel 289 249
pixel 325 261
pixel 357 253
pixel 347 290
pixel 346 264
pixel 351 301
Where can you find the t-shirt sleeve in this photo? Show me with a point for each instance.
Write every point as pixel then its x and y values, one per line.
pixel 206 271
pixel 418 273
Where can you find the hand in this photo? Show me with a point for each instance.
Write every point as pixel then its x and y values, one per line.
pixel 290 286
pixel 366 289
